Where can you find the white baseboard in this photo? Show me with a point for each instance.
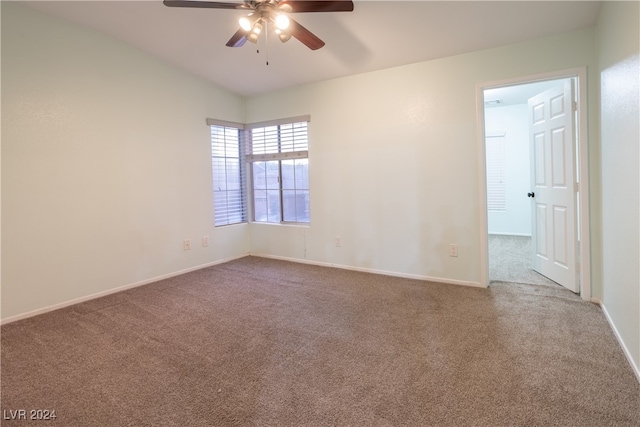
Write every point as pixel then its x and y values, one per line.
pixel 112 291
pixel 198 267
pixel 634 366
pixel 510 234
pixel 374 271
pixel 626 352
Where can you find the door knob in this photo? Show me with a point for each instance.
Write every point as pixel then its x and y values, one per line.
pixel 531 194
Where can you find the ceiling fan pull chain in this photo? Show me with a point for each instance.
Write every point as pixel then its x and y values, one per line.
pixel 266 40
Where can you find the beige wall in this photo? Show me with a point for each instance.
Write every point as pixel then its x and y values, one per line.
pixel 619 68
pixel 394 159
pixel 105 165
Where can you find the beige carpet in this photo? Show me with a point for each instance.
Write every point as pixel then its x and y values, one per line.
pixel 258 342
pixel 510 261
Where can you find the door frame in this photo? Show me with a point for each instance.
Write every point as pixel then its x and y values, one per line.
pixel 584 246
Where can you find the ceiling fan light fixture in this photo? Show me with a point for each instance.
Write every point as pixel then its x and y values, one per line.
pixel 282 21
pixel 284 37
pixel 245 23
pixel 285 7
pixel 257 28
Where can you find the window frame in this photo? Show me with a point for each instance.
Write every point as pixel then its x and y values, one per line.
pixel 242 173
pixel 279 156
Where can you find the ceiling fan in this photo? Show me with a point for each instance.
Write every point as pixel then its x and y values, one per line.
pixel 262 13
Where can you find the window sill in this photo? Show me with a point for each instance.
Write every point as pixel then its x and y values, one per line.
pixel 283 224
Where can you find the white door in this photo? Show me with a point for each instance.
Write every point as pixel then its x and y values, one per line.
pixel 553 194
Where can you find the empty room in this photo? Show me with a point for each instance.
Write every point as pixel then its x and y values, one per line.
pixel 279 212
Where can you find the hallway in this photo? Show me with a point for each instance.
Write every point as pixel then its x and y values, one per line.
pixel 510 261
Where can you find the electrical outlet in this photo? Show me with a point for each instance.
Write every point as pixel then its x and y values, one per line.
pixel 338 241
pixel 453 249
pixel 205 241
pixel 186 245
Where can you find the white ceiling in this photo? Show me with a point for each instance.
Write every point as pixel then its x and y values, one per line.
pixel 376 35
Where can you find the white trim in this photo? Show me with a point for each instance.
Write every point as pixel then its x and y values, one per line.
pixel 226 124
pixel 373 271
pixel 302 154
pixel 221 261
pixel 583 157
pixel 495 133
pixel 510 234
pixel 483 215
pixel 625 350
pixel 113 291
pixel 285 121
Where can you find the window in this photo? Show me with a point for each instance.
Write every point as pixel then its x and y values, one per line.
pixel 496 180
pixel 278 157
pixel 229 176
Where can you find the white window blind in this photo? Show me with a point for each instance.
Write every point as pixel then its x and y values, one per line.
pixel 278 140
pixel 496 176
pixel 278 155
pixel 229 173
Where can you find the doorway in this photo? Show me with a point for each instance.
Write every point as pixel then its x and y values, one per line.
pixel 507 160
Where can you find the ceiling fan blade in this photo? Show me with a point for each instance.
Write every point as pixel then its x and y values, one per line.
pixel 205 4
pixel 238 39
pixel 305 36
pixel 300 6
